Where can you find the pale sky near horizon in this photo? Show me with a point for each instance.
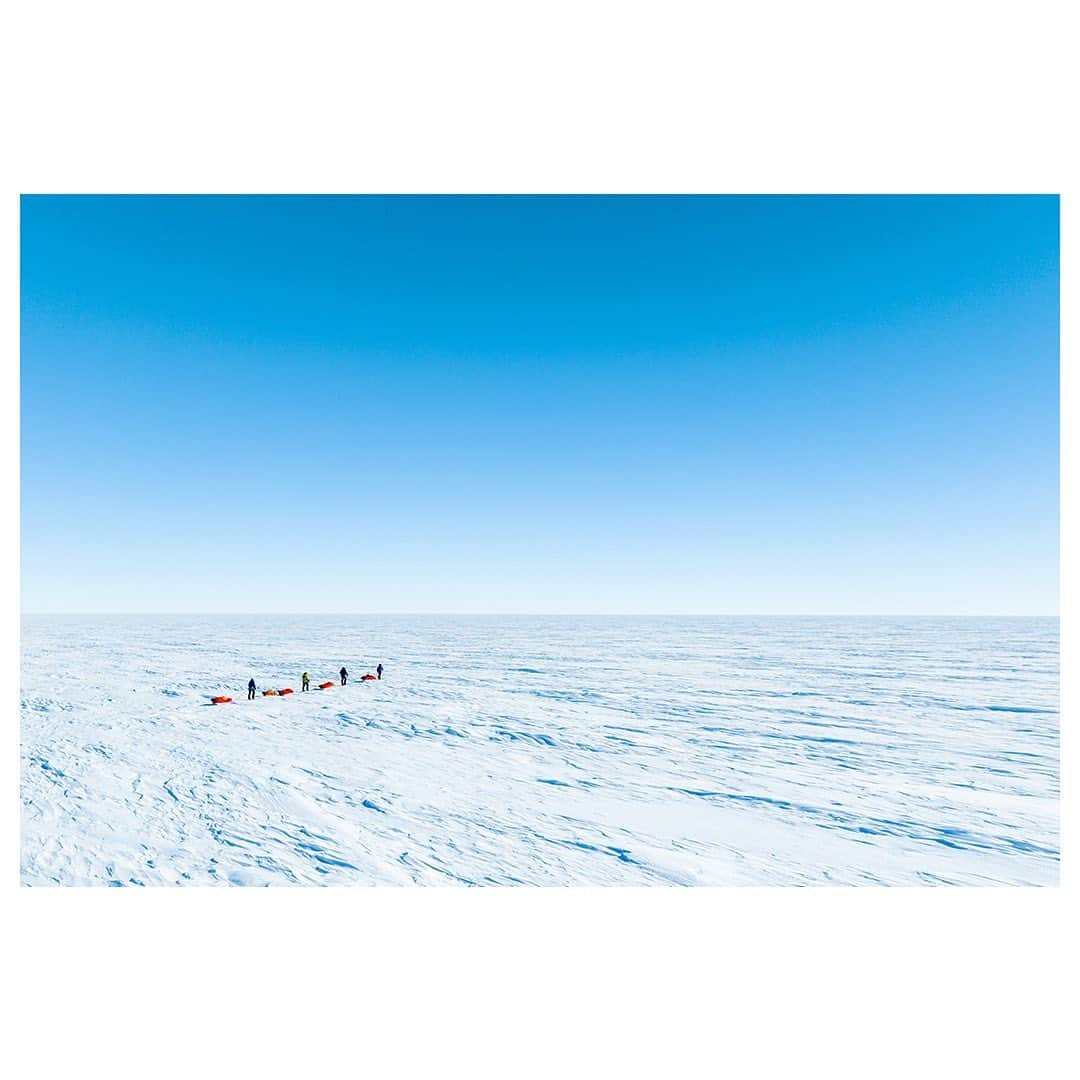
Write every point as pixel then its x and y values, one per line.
pixel 540 404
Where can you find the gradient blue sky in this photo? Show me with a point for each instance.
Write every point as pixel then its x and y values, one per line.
pixel 719 404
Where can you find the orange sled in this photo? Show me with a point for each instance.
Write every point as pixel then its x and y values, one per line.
pixel 221 700
pixel 270 693
pixel 325 685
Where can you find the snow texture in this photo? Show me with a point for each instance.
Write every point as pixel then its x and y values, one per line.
pixel 540 751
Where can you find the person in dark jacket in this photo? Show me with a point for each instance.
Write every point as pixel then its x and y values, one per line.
pixel 251 689
pixel 344 676
pixel 378 671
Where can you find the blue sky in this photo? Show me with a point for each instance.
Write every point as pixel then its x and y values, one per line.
pixel 717 404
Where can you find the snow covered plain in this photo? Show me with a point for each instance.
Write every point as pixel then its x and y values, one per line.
pixel 542 751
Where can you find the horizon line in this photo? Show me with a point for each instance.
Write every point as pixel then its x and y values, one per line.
pixel 584 614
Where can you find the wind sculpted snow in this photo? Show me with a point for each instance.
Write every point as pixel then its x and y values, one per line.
pixel 540 751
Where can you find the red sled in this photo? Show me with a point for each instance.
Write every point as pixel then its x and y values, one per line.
pixel 367 678
pixel 287 690
pixel 325 685
pixel 221 700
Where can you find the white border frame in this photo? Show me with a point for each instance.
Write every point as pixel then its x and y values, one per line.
pixel 943 97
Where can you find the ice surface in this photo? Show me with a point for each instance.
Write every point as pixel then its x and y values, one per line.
pixel 544 751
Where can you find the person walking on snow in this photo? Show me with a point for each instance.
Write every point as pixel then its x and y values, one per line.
pixel 251 689
pixel 344 676
pixel 378 671
pixel 305 681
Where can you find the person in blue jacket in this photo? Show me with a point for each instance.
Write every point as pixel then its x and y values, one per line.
pixel 344 676
pixel 251 689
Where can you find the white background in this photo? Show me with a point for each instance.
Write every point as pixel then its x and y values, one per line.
pixel 553 97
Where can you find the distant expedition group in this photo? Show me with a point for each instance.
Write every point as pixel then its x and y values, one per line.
pixel 305 684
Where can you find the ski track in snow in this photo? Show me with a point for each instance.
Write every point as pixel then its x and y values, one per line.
pixel 541 751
